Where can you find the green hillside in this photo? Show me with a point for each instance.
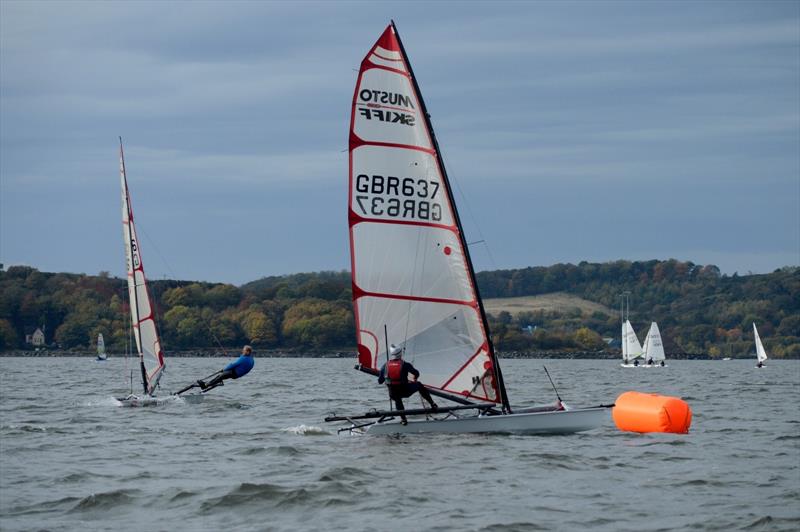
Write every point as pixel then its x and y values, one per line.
pixel 560 307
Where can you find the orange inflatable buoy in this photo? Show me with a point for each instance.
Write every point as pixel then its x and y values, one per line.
pixel 649 412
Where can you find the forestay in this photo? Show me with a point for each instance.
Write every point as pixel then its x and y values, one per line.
pixel 410 270
pixel 760 352
pixel 142 317
pixel 653 348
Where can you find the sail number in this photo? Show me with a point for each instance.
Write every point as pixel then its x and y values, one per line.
pixel 407 197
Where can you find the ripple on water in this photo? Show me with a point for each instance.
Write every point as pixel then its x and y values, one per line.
pixel 106 500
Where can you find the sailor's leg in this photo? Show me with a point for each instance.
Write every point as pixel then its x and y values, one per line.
pixel 423 391
pixel 398 404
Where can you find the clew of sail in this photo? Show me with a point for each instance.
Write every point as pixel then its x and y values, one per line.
pixel 760 352
pixel 653 348
pixel 148 344
pixel 631 349
pixel 411 275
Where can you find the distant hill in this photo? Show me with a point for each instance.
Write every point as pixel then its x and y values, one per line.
pixel 554 302
pixel 559 307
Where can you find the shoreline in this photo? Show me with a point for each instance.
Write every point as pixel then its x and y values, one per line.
pixel 343 353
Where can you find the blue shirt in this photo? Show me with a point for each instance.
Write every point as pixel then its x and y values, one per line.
pixel 242 365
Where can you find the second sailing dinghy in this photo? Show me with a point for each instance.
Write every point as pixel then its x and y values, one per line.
pixel 654 348
pixel 101 349
pixel 631 350
pixel 148 344
pixel 412 278
pixel 761 354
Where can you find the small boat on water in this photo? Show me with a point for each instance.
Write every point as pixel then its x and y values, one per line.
pixel 412 276
pixel 101 349
pixel 631 349
pixel 761 354
pixel 653 349
pixel 145 332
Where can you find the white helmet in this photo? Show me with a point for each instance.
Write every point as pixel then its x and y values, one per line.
pixel 395 351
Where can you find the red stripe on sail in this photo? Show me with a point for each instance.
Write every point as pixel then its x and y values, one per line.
pixel 360 292
pixel 354 218
pixel 357 142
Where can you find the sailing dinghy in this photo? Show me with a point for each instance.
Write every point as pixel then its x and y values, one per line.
pixel 101 349
pixel 412 278
pixel 145 332
pixel 631 350
pixel 761 354
pixel 654 348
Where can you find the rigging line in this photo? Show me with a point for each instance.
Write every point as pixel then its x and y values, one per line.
pixel 175 276
pixel 471 214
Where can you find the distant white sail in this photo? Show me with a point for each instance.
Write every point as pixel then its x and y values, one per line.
pixel 101 345
pixel 653 348
pixel 760 352
pixel 142 316
pixel 631 349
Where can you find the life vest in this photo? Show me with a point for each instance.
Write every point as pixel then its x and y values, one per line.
pixel 394 372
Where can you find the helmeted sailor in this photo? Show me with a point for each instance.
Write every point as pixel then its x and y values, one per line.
pixel 395 374
pixel 238 368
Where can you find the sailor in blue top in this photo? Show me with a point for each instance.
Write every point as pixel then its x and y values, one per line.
pixel 238 368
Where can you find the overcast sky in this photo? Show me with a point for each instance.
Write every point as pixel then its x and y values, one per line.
pixel 571 130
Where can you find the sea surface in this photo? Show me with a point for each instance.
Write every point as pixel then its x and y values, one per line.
pixel 257 455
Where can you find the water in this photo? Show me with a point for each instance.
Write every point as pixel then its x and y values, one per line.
pixel 256 455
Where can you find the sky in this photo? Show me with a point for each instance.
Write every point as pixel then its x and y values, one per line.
pixel 571 131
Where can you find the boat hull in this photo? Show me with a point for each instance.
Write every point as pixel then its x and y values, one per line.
pixel 555 422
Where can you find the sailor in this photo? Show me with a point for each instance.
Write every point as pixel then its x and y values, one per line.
pixel 238 368
pixel 635 361
pixel 760 364
pixel 395 373
pixel 650 362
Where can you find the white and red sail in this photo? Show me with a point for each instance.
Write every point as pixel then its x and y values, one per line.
pixel 142 316
pixel 412 280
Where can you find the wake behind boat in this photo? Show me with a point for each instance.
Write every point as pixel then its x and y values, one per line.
pixel 412 276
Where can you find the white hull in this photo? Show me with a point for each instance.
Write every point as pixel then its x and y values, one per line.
pixel 555 422
pixel 630 365
pixel 102 358
pixel 654 366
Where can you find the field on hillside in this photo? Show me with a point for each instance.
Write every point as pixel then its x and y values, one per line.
pixel 557 301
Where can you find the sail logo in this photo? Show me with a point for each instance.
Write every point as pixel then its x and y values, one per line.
pixel 385 97
pixel 381 115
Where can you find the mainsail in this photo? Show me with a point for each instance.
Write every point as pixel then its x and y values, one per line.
pixel 653 348
pixel 142 317
pixel 630 343
pixel 101 345
pixel 760 352
pixel 413 282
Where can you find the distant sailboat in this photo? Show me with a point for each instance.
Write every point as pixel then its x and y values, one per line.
pixel 148 344
pixel 631 349
pixel 653 348
pixel 101 348
pixel 761 354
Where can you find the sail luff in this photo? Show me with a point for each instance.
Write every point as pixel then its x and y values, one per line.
pixel 454 210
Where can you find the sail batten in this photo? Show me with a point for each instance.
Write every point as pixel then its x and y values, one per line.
pixel 411 273
pixel 148 344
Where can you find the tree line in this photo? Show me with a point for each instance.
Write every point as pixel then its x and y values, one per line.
pixel 698 309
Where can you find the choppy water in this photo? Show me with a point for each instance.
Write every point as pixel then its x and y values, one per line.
pixel 256 455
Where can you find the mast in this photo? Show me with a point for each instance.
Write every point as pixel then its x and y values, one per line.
pixel 135 301
pixel 495 362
